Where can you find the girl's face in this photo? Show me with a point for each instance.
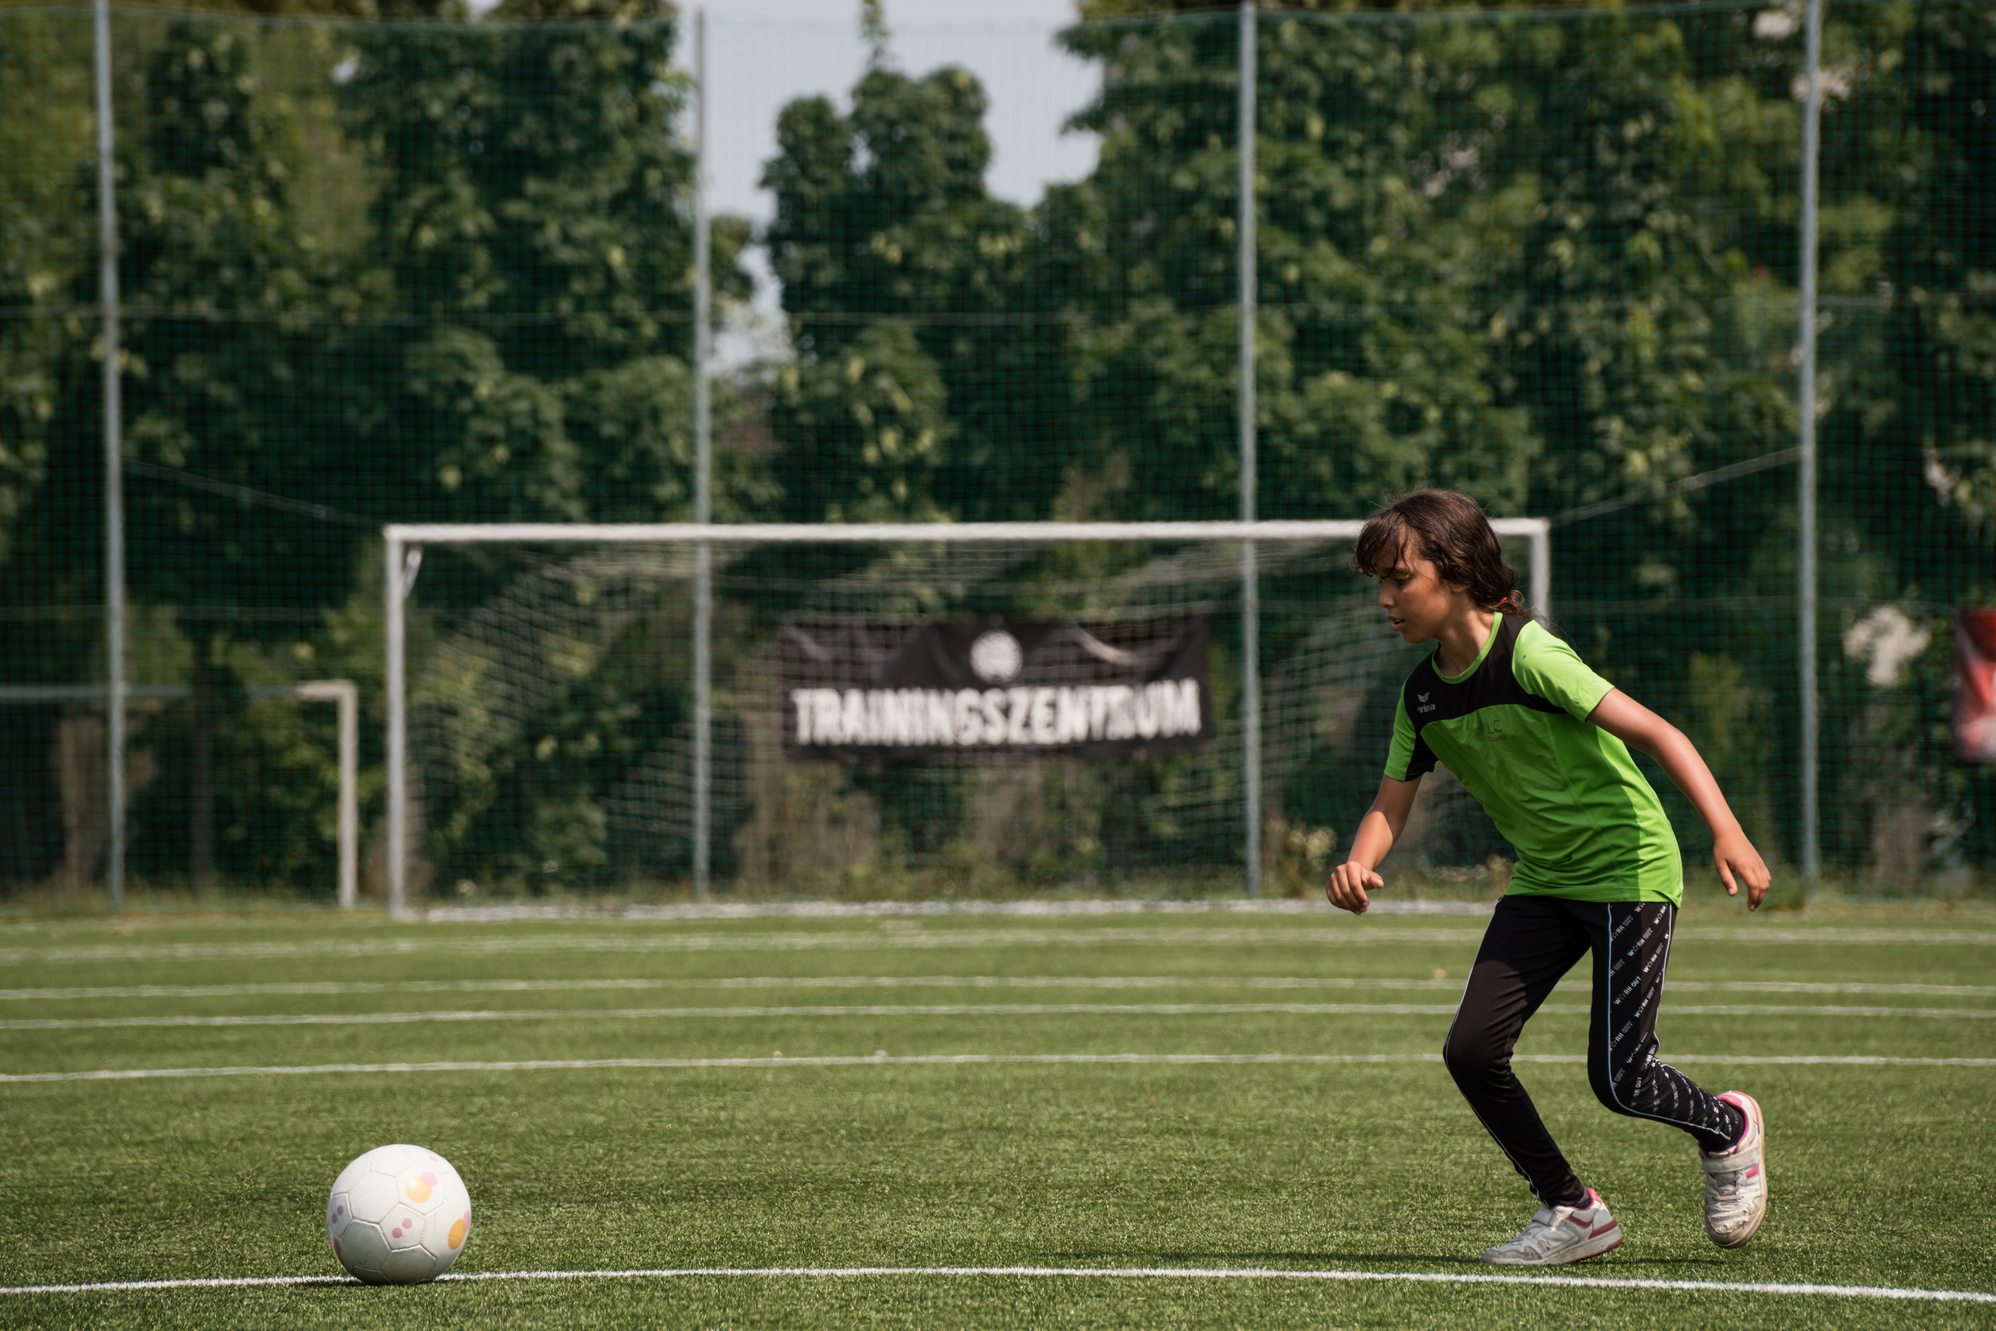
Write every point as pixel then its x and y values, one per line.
pixel 1416 601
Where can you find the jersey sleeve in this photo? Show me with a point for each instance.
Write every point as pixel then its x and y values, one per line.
pixel 1409 759
pixel 1551 669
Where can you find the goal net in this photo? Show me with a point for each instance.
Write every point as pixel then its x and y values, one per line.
pixel 888 712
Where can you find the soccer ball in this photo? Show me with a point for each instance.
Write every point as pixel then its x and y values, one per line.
pixel 398 1215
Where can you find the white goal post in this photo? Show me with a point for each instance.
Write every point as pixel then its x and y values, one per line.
pixel 403 544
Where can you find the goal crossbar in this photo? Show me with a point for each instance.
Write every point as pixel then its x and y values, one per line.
pixel 876 533
pixel 403 543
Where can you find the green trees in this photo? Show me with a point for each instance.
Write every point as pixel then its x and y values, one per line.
pixel 1546 259
pixel 900 274
pixel 1941 259
pixel 225 291
pixel 224 287
pixel 529 362
pixel 531 231
pixel 220 286
pixel 508 340
pixel 40 138
pixel 1922 440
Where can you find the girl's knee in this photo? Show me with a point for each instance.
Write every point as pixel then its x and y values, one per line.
pixel 1605 1093
pixel 1618 1089
pixel 1473 1057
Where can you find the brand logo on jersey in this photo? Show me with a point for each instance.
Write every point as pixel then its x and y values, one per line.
pixel 1424 698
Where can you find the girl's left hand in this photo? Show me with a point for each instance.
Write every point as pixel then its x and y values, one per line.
pixel 1738 862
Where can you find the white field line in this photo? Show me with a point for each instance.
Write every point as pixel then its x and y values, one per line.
pixel 947 1060
pixel 877 910
pixel 891 936
pixel 895 935
pixel 936 1010
pixel 309 988
pixel 727 1013
pixel 1070 1273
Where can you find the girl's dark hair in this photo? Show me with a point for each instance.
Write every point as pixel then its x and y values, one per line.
pixel 1450 530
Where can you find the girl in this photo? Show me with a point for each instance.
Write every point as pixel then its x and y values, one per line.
pixel 1543 742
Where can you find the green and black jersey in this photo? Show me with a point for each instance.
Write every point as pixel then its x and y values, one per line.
pixel 1514 730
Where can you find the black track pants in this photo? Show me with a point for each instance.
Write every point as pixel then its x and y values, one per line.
pixel 1530 944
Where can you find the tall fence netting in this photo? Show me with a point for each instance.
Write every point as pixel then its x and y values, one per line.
pixel 440 271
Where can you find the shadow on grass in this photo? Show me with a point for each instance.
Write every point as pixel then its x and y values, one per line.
pixel 1260 1258
pixel 1347 1260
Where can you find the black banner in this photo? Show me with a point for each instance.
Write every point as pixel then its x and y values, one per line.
pixel 868 692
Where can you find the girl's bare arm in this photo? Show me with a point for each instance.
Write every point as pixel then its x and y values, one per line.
pixel 1640 728
pixel 1377 832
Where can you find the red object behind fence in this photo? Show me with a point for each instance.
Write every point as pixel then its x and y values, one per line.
pixel 1975 685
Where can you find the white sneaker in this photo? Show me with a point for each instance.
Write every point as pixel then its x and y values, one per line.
pixel 1561 1234
pixel 1736 1180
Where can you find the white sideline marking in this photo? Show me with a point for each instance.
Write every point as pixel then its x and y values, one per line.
pixel 331 987
pixel 727 1013
pixel 890 936
pixel 893 935
pixel 948 1060
pixel 936 1010
pixel 875 910
pixel 1069 1272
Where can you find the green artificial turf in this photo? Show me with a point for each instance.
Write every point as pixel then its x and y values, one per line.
pixel 1881 1175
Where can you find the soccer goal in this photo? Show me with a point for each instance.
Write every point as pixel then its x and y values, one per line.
pixel 875 709
pixel 344 694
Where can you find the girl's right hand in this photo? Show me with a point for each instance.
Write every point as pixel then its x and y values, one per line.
pixel 1348 885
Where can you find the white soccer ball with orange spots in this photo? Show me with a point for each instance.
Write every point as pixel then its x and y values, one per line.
pixel 398 1215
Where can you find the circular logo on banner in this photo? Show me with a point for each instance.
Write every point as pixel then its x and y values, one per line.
pixel 996 657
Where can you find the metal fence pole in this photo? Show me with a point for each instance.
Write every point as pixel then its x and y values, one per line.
pixel 1250 577
pixel 114 498
pixel 1812 110
pixel 703 485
